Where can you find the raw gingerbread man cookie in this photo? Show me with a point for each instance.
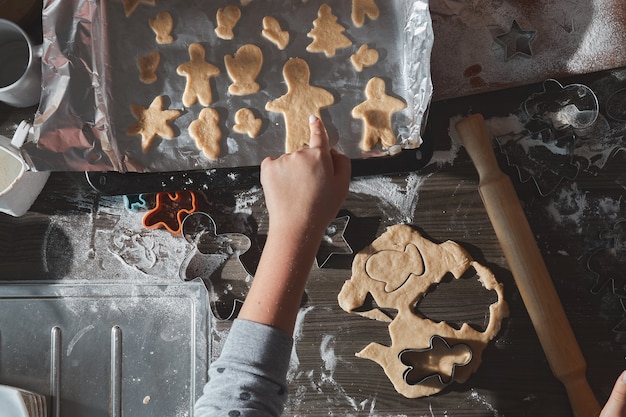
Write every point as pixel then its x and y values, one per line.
pixel 243 69
pixel 376 113
pixel 327 34
pixel 198 73
pixel 227 18
pixel 206 132
pixel 152 122
pixel 147 66
pixel 162 27
pixel 273 32
pixel 301 101
pixel 245 122
pixel 362 8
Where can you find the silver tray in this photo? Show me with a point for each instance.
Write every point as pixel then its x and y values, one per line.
pixel 90 80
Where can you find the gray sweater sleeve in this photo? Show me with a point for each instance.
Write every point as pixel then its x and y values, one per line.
pixel 249 377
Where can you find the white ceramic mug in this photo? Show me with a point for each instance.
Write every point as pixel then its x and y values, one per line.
pixel 19 187
pixel 20 66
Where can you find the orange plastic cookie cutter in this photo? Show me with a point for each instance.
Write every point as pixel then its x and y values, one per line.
pixel 170 211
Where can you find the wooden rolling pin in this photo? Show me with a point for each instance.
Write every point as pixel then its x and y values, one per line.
pixel 529 271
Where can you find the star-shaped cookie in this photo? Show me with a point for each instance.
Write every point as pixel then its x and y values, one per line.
pixel 152 122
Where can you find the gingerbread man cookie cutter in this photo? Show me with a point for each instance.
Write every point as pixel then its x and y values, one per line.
pixel 211 256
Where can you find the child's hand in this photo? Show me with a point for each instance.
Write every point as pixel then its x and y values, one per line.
pixel 305 189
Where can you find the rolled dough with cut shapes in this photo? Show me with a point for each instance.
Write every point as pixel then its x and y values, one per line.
pixel 396 277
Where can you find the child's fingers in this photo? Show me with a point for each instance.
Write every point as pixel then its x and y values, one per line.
pixel 319 138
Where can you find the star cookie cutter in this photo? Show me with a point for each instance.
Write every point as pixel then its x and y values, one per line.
pixel 170 211
pixel 334 241
pixel 438 361
pixel 212 255
pixel 516 41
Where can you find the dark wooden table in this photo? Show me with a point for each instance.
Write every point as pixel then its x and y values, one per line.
pixel 70 234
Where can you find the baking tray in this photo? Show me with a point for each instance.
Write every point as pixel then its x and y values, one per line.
pixel 90 79
pixel 106 349
pixel 116 183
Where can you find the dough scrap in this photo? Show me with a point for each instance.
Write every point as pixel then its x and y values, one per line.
pixel 362 8
pixel 245 122
pixel 147 66
pixel 327 34
pixel 227 18
pixel 206 132
pixel 300 101
pixel 152 122
pixel 364 57
pixel 410 331
pixel 162 26
pixel 131 5
pixel 198 73
pixel 243 68
pixel 273 32
pixel 376 113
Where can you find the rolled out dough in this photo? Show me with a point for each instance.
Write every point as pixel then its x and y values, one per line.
pixel 397 270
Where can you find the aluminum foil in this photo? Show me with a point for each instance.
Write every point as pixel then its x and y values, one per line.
pixel 90 79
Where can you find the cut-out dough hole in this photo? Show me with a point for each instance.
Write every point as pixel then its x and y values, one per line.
pixel 471 302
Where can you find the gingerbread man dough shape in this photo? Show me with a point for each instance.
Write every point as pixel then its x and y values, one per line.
pixel 243 68
pixel 301 101
pixel 152 122
pixel 198 73
pixel 376 113
pixel 362 8
pixel 379 271
pixel 245 122
pixel 273 32
pixel 162 27
pixel 206 132
pixel 227 18
pixel 327 34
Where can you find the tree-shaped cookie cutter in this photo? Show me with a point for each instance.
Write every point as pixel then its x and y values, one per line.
pixel 544 150
pixel 212 255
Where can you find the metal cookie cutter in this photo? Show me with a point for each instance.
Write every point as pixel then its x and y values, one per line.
pixel 439 361
pixel 334 241
pixel 516 41
pixel 544 151
pixel 215 258
pixel 608 265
